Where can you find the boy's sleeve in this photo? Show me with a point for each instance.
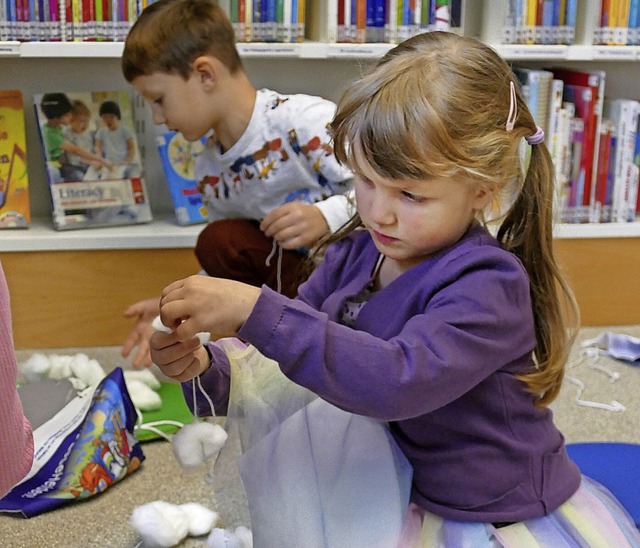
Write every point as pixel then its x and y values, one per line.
pixel 311 122
pixel 337 209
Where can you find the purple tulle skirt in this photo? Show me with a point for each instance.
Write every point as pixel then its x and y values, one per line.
pixel 592 517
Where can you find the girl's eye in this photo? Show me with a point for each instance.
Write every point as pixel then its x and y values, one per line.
pixel 365 180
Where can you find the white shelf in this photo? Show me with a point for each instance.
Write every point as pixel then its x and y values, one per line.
pixel 321 50
pixel 41 236
pixel 597 230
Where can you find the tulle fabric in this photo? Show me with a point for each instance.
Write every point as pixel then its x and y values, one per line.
pixel 314 475
pixel 317 476
pixel 591 518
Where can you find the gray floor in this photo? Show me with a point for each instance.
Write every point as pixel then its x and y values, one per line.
pixel 104 520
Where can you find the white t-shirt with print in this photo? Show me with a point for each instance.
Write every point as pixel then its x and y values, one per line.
pixel 284 155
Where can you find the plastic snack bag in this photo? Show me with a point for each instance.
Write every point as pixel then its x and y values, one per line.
pixel 314 475
pixel 81 451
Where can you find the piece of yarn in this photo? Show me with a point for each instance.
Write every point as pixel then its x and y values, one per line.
pixel 197 442
pixel 159 326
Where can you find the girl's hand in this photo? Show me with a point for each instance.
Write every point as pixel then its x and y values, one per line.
pixel 180 361
pixel 203 304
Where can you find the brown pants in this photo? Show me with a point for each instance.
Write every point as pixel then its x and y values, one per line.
pixel 237 249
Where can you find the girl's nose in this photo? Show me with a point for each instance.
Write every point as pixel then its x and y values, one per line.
pixel 381 210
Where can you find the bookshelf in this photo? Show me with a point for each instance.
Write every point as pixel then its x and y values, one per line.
pixel 125 264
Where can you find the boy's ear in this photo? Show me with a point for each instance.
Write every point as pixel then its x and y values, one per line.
pixel 206 70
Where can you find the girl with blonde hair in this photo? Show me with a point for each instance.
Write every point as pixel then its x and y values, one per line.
pixel 426 317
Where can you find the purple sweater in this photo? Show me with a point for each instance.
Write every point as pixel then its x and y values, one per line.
pixel 435 353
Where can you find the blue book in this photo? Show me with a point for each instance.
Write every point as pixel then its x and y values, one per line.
pixel 634 22
pixel 178 157
pixel 570 21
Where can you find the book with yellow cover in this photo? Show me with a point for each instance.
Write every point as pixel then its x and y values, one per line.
pixel 14 179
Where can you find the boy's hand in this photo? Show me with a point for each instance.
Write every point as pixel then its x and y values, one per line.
pixel 203 304
pixel 144 312
pixel 179 361
pixel 295 225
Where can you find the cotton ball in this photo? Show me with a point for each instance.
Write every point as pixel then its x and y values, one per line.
pixel 223 538
pixel 143 375
pixel 159 326
pixel 245 535
pixel 142 396
pixel 201 518
pixel 160 524
pixel 36 367
pixel 89 371
pixel 196 442
pixel 60 366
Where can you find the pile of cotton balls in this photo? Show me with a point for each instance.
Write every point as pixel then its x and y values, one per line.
pixel 84 372
pixel 162 525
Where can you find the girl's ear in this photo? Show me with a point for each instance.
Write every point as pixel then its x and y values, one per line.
pixel 482 197
pixel 206 70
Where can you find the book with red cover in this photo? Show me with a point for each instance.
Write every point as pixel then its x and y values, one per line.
pixel 602 204
pixel 591 113
pixel 582 98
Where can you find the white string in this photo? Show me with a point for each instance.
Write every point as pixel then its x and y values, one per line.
pixel 273 252
pixel 279 265
pixel 209 477
pixel 593 356
pixel 151 426
pixel 204 393
pixel 195 402
pixel 613 406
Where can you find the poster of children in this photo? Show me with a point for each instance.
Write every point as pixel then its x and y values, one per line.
pixel 92 158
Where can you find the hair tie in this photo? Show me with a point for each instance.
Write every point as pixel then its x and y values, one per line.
pixel 513 107
pixel 536 138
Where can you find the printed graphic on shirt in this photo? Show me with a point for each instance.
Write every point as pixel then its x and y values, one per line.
pixel 262 165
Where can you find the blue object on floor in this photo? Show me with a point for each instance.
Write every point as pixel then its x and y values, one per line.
pixel 614 465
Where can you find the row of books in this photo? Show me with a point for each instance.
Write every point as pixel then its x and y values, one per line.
pixel 594 142
pixel 110 20
pixel 359 21
pixel 540 22
pixel 618 23
pixel 67 20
